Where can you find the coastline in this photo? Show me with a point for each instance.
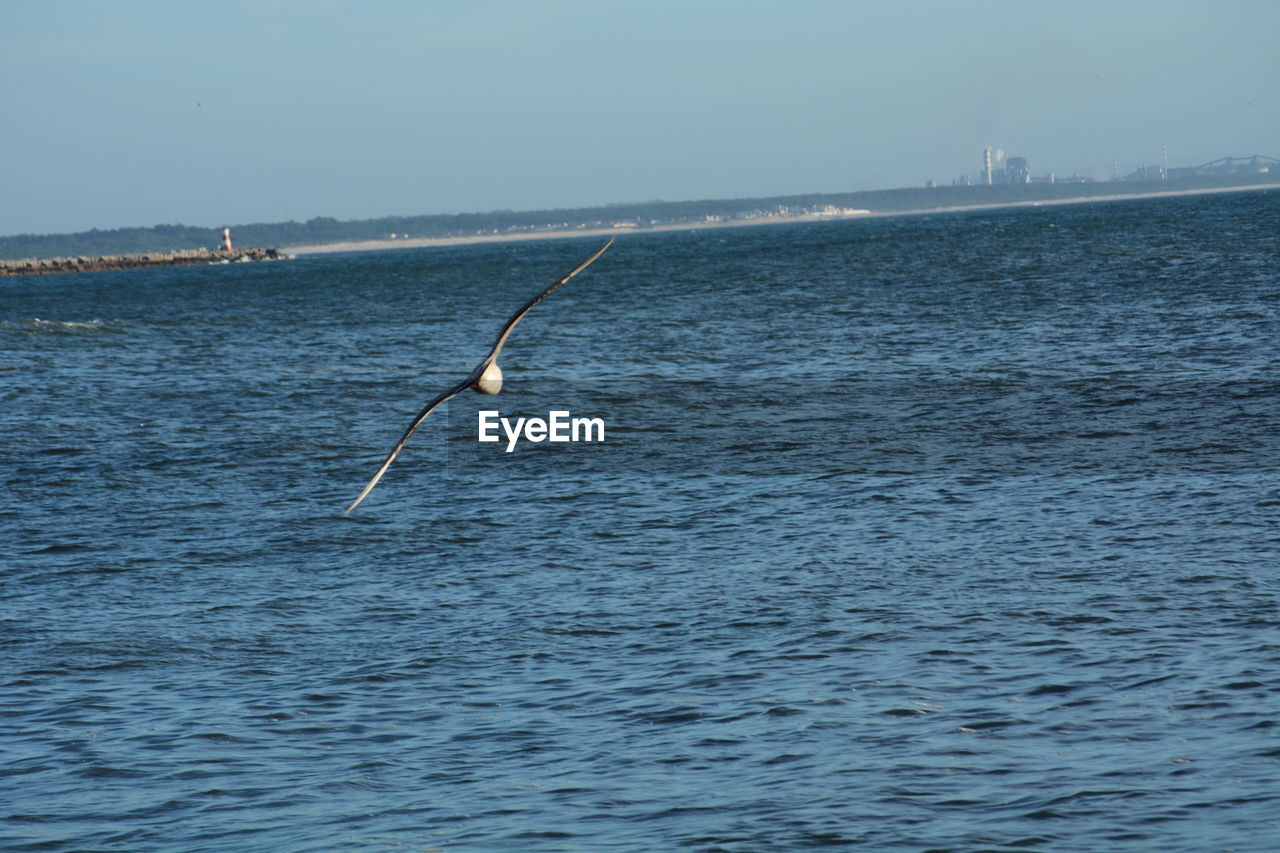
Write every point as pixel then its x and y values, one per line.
pixel 519 236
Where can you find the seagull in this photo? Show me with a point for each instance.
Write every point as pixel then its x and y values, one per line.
pixel 486 378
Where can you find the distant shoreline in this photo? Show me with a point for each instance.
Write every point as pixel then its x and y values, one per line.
pixel 519 236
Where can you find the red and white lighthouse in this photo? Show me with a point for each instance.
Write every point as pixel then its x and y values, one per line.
pixel 226 238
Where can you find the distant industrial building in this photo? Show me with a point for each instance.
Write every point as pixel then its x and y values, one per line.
pixel 1147 173
pixel 1017 171
pixel 1255 165
pixel 997 168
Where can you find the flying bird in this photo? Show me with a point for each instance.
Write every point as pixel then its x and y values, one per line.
pixel 486 378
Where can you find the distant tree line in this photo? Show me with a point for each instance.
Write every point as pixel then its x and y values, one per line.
pixel 324 229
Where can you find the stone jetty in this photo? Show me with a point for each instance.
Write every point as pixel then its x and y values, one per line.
pixel 45 266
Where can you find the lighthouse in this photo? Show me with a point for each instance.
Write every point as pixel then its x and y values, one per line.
pixel 226 238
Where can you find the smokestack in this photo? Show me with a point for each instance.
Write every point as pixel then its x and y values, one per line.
pixel 986 165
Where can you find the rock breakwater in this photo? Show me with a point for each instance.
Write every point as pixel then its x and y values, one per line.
pixel 46 266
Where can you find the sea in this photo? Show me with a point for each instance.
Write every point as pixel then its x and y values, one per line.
pixel 943 532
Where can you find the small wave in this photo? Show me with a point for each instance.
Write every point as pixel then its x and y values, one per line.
pixel 36 325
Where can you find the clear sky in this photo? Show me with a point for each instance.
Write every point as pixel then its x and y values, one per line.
pixel 141 112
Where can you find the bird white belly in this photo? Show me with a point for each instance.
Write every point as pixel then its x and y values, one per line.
pixel 490 382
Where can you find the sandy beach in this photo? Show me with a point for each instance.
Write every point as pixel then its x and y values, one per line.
pixel 517 236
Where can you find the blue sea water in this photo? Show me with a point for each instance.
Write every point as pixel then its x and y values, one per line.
pixel 931 533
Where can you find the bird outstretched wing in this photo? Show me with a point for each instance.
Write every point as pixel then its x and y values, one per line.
pixel 474 375
pixel 524 309
pixel 395 451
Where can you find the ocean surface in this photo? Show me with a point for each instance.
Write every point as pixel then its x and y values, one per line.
pixel 930 533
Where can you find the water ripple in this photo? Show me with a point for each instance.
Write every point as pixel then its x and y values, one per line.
pixel 939 533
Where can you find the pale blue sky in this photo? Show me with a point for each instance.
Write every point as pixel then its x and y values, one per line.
pixel 139 112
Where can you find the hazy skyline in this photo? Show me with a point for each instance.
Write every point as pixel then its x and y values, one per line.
pixel 140 113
